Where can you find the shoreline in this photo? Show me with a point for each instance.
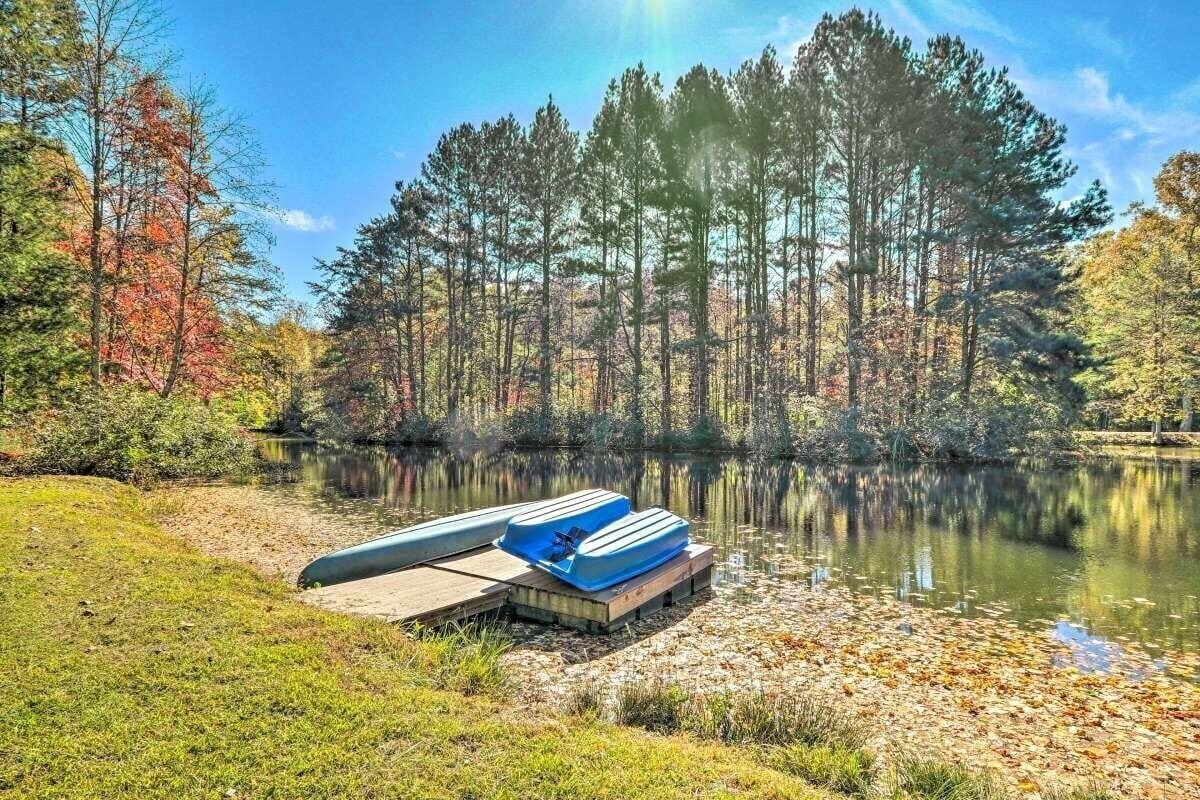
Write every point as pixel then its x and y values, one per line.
pixel 1090 445
pixel 984 691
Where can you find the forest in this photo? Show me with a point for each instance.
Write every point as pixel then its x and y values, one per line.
pixel 858 251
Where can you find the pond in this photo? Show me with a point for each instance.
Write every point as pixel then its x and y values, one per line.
pixel 1103 549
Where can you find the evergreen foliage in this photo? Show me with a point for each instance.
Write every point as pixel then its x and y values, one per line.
pixel 875 235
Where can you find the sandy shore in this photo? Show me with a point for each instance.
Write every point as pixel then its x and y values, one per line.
pixel 981 690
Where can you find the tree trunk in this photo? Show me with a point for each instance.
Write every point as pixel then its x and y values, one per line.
pixel 97 268
pixel 544 344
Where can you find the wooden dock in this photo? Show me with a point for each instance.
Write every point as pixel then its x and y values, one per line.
pixel 485 579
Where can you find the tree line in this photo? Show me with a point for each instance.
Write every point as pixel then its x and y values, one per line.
pixel 858 250
pixel 866 243
pixel 1139 309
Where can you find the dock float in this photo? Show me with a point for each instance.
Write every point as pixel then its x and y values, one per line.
pixel 486 579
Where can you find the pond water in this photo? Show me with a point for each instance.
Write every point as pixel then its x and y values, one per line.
pixel 1106 549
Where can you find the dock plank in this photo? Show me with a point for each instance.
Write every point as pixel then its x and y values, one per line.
pixel 469 583
pixel 420 594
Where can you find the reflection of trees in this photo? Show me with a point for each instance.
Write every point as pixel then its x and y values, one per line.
pixel 1119 528
pixel 702 475
pixel 1139 507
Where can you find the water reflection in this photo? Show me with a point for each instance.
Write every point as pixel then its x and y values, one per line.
pixel 1111 545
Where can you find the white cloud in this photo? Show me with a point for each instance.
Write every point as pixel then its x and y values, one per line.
pixel 1188 94
pixel 971 16
pixel 922 19
pixel 1093 95
pixel 786 33
pixel 300 220
pixel 1088 91
pixel 1122 141
pixel 908 21
pixel 1096 33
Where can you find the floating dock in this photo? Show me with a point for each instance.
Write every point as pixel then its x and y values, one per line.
pixel 486 579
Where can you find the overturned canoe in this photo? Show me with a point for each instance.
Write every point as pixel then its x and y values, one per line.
pixel 595 543
pixel 419 543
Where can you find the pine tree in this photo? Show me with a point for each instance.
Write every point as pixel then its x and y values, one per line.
pixel 548 168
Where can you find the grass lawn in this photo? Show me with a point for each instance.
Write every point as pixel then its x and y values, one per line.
pixel 132 666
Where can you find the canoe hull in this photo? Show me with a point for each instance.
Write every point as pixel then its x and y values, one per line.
pixel 409 546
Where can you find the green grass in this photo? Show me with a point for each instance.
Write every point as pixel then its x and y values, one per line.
pixel 932 779
pixel 1091 792
pixel 465 658
pixel 851 772
pixel 802 736
pixel 753 718
pixel 131 666
pixel 653 705
pixel 760 718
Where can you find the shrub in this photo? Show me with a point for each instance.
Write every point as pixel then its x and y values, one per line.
pixel 416 429
pixel 706 435
pixel 530 426
pixel 134 435
pixel 770 436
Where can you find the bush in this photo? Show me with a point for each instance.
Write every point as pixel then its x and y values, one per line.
pixel 529 426
pixel 706 435
pixel 770 436
pixel 133 435
pixel 416 429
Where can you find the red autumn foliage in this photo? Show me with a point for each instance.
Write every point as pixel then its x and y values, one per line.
pixel 142 246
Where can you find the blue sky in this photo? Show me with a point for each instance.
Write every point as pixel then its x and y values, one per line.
pixel 347 97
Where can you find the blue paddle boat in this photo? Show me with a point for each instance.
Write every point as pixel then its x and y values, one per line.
pixel 595 542
pixel 420 543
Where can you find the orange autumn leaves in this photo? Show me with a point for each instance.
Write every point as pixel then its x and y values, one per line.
pixel 153 313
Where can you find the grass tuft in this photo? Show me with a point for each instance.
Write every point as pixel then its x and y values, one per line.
pixel 653 705
pixel 463 657
pixel 760 718
pixel 1093 791
pixel 850 772
pixel 932 779
pixel 586 700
